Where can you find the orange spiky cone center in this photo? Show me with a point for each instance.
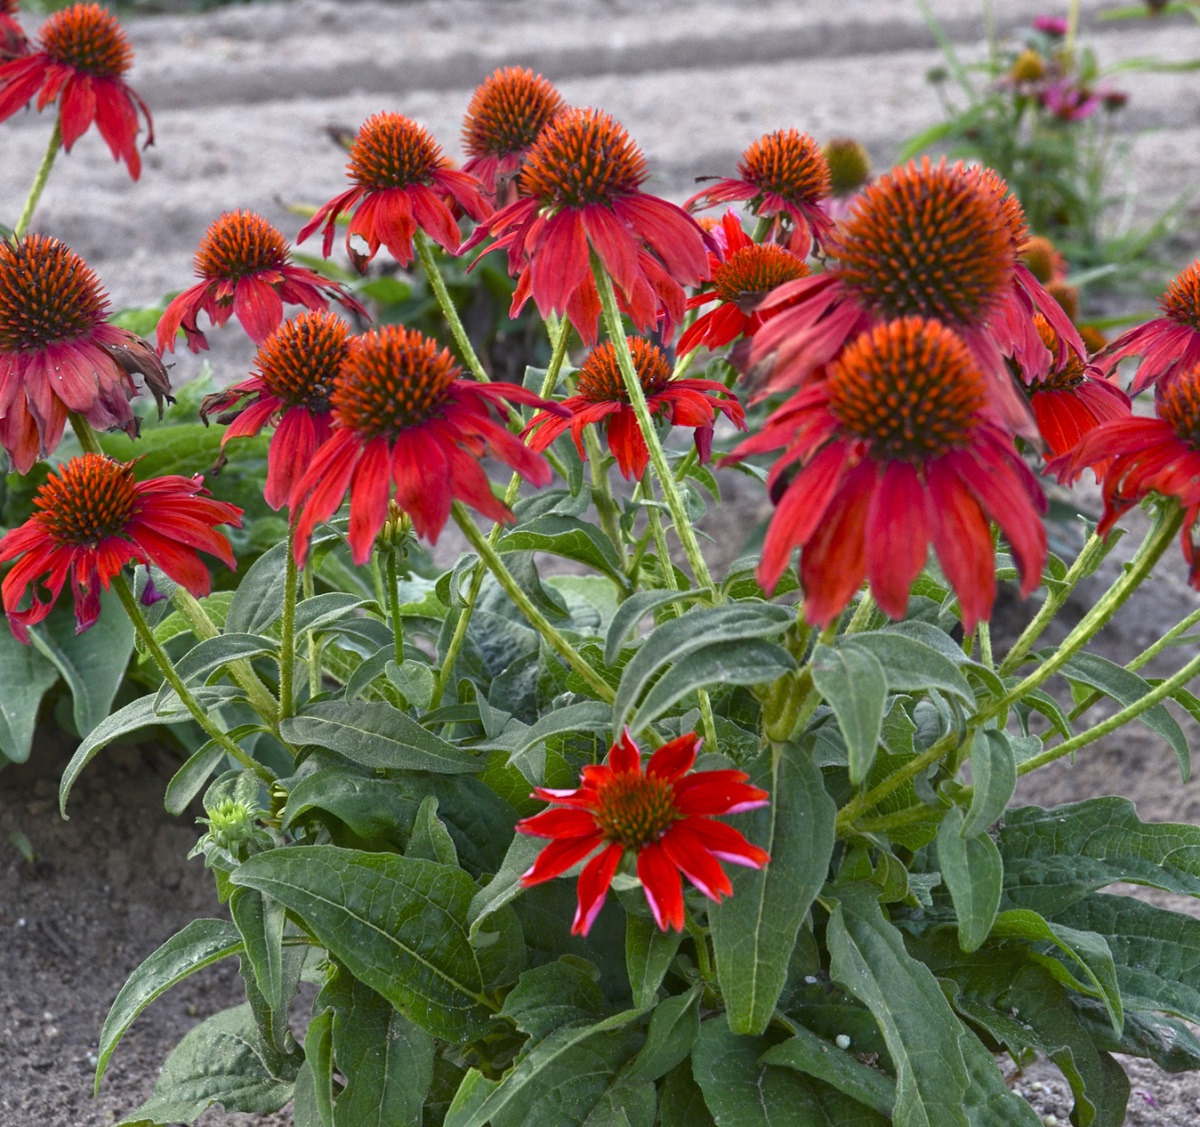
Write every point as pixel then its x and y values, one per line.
pixel 508 111
pixel 1042 257
pixel 908 389
pixel 88 39
pixel 789 164
pixel 240 244
pixel 582 157
pixel 393 151
pixel 756 269
pixel 48 295
pixel 392 379
pixel 634 809
pixel 1062 376
pixel 1178 403
pixel 600 381
pixel 1181 302
pixel 300 361
pixel 87 500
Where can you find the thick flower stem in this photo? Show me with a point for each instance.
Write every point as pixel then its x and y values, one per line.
pixel 308 588
pixel 637 400
pixel 287 630
pixel 536 619
pixel 39 181
pixel 602 496
pixel 393 597
pixel 446 304
pixel 167 668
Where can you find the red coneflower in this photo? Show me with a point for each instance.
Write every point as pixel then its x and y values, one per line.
pixel 91 519
pixel 506 114
pixel 405 426
pixel 297 366
pixel 13 43
pixel 246 271
pixel 1168 344
pixel 602 398
pixel 662 816
pixel 82 58
pixel 402 181
pixel 580 188
pixel 786 177
pixel 748 273
pixel 58 353
pixel 896 450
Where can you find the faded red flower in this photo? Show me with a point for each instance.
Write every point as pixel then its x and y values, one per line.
pixel 786 177
pixel 603 399
pixel 406 427
pixel 1168 344
pixel 402 182
pixel 297 366
pixel 58 353
pixel 91 519
pixel 580 188
pixel 81 61
pixel 896 449
pixel 663 817
pixel 246 271
pixel 748 273
pixel 507 112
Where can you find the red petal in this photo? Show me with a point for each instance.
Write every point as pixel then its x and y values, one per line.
pixel 674 758
pixel 663 888
pixel 558 857
pixel 597 875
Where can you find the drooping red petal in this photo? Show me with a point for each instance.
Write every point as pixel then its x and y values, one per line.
pixel 663 888
pixel 594 881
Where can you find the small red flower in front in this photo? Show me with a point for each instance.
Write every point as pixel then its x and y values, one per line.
pixel 82 58
pixel 602 398
pixel 58 353
pixel 91 519
pixel 405 426
pixel 402 182
pixel 662 816
pixel 246 271
pixel 297 366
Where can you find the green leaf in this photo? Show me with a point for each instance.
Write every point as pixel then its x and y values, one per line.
pixel 632 611
pixel 430 839
pixel 200 944
pixel 755 929
pixel 993 779
pixel 811 1055
pixel 570 537
pixel 188 781
pixel 415 679
pixel 973 872
pixel 375 913
pixel 649 953
pixel 681 1100
pixel 26 676
pixel 868 959
pixel 374 734
pixel 260 921
pixel 258 603
pixel 505 886
pixel 1055 857
pixel 674 1025
pixel 320 612
pixel 313 1097
pixel 221 1061
pixel 212 654
pixel 853 683
pixel 546 998
pixel 915 657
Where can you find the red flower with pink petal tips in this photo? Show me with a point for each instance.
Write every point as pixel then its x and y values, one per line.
pixel 602 399
pixel 580 191
pixel 297 367
pixel 91 519
pixel 663 816
pixel 406 427
pixel 1168 344
pixel 59 354
pixel 246 271
pixel 786 177
pixel 81 61
pixel 402 182
pixel 896 450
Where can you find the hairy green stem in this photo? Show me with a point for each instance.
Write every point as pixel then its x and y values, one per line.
pixel 602 495
pixel 287 630
pixel 308 589
pixel 393 602
pixel 438 284
pixel 864 802
pixel 861 618
pixel 39 181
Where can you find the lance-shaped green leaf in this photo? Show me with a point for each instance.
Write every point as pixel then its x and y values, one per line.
pixel 374 734
pixel 313 1098
pixel 868 959
pixel 189 780
pixel 564 992
pixel 505 886
pixel 321 612
pixel 669 1038
pixel 755 929
pixel 258 602
pixel 811 1055
pixel 200 944
pixel 854 685
pixel 993 779
pixel 915 657
pixel 25 675
pixel 570 537
pixel 973 872
pixel 212 654
pixel 260 920
pixel 632 611
pixel 376 912
pixel 649 953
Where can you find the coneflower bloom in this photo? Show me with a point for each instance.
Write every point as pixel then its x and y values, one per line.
pixel 92 518
pixel 1045 261
pixel 580 188
pixel 505 116
pixel 602 399
pixel 1148 456
pixel 402 182
pixel 58 353
pixel 897 449
pixel 1168 344
pixel 246 271
pixel 785 177
pixel 406 427
pixel 297 366
pixel 13 43
pixel 81 61
pixel 663 817
pixel 748 273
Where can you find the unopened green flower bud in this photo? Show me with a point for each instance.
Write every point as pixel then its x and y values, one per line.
pixel 849 164
pixel 396 529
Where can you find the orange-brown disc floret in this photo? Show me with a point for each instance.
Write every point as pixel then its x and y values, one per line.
pixel 788 164
pixel 755 270
pixel 392 379
pixel 89 499
pixel 299 360
pixel 909 389
pixel 928 241
pixel 47 294
pixel 508 111
pixel 239 244
pixel 393 151
pixel 599 379
pixel 1181 302
pixel 582 157
pixel 88 39
pixel 1061 376
pixel 635 809
pixel 1179 405
pixel 1044 259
